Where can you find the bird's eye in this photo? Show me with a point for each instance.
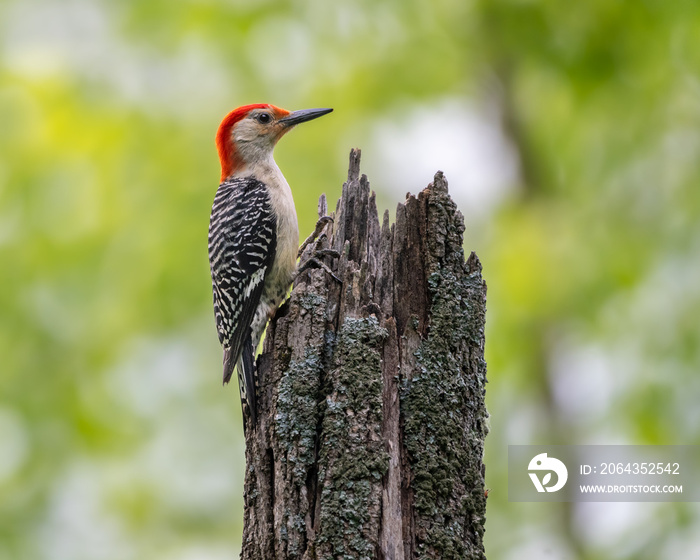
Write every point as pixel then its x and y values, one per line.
pixel 264 118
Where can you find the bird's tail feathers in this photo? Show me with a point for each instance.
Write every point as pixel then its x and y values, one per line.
pixel 229 363
pixel 247 378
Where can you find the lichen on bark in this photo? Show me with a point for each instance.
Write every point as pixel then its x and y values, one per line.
pixel 352 452
pixel 442 401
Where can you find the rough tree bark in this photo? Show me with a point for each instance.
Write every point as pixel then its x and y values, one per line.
pixel 371 422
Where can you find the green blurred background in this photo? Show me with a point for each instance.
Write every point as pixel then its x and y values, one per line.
pixel 569 134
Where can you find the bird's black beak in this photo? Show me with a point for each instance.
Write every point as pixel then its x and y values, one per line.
pixel 297 117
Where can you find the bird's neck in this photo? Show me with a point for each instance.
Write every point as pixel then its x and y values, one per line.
pixel 246 159
pixel 263 168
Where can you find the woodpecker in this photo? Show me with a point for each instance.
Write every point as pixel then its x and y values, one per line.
pixel 253 235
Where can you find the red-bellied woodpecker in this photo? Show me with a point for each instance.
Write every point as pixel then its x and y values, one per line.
pixel 253 235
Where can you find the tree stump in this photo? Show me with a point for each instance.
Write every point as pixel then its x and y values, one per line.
pixel 371 418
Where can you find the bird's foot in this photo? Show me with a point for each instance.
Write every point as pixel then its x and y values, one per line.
pixel 316 262
pixel 323 221
pixel 321 253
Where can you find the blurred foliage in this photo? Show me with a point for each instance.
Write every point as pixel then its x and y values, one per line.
pixel 116 439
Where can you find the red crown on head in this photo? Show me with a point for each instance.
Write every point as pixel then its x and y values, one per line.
pixel 228 154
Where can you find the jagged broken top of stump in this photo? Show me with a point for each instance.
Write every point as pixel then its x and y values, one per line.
pixel 357 236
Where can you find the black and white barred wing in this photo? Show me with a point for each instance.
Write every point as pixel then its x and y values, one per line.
pixel 242 243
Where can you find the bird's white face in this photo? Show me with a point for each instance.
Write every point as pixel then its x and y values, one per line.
pixel 255 135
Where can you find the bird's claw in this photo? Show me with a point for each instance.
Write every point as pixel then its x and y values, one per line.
pixel 322 222
pixel 320 253
pixel 313 262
